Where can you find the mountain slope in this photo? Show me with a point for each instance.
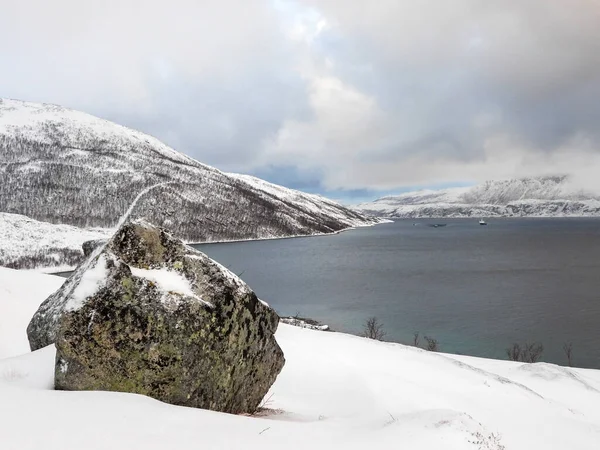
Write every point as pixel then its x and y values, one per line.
pixel 66 167
pixel 527 197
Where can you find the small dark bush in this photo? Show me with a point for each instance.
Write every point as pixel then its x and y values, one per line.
pixel 373 329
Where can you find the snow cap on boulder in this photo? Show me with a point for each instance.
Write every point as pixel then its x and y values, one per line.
pixel 147 314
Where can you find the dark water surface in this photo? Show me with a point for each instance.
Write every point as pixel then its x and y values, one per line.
pixel 476 289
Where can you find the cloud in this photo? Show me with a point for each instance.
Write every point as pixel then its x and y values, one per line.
pixel 116 44
pixel 435 92
pixel 355 96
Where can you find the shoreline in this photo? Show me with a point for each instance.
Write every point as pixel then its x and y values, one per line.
pixel 62 269
pixel 382 220
pixel 273 238
pixel 392 219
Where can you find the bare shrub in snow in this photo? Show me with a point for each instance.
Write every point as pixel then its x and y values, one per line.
pixel 568 349
pixel 530 352
pixel 514 352
pixel 533 352
pixel 373 329
pixel 265 405
pixel 12 374
pixel 487 441
pixel 432 344
pixel 415 342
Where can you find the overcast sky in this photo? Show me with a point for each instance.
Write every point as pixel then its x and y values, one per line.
pixel 347 98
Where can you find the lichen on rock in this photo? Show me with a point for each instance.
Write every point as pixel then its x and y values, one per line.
pixel 149 315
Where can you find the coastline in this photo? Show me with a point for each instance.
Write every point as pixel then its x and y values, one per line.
pixel 61 269
pixel 392 219
pixel 382 221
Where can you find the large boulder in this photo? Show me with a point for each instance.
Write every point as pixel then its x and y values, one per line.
pixel 149 315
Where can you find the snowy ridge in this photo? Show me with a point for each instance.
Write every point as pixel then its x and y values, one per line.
pixel 43 122
pixel 528 197
pixel 59 166
pixel 335 391
pixel 311 202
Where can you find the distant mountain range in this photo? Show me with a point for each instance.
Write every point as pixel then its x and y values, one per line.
pixel 527 197
pixel 60 166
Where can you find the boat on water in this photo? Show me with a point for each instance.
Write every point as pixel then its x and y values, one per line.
pixel 482 222
pixel 437 225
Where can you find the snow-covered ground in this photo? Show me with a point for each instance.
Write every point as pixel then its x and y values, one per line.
pixel 21 292
pixel 336 391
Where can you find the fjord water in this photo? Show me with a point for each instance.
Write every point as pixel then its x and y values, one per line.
pixel 476 289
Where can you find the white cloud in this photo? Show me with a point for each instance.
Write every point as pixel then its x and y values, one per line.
pixel 114 48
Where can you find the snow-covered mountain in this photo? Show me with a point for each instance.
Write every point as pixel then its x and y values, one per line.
pixel 60 166
pixel 527 197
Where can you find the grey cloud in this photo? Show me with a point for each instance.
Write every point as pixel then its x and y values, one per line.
pixel 440 66
pixel 222 123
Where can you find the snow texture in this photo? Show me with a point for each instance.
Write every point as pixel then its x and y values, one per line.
pixel 528 197
pixel 335 391
pixel 168 282
pixel 89 283
pixel 21 292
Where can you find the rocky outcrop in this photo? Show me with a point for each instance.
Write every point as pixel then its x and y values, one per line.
pixel 88 247
pixel 147 314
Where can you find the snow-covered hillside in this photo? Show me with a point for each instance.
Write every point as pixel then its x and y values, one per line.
pixel 61 166
pixel 528 197
pixel 28 243
pixel 336 391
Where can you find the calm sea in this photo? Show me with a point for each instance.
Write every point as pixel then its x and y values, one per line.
pixel 476 289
